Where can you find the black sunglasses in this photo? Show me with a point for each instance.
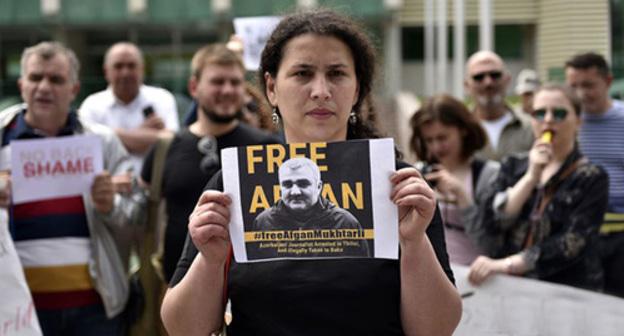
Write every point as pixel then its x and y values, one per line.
pixel 302 183
pixel 208 146
pixel 495 75
pixel 559 113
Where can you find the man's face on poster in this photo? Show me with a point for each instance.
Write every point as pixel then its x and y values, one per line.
pixel 300 188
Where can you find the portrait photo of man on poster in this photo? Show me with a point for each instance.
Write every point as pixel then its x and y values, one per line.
pixel 301 205
pixel 311 200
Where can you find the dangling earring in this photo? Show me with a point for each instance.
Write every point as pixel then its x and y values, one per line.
pixel 275 117
pixel 352 118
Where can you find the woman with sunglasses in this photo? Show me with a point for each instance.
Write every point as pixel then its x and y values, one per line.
pixel 548 204
pixel 317 70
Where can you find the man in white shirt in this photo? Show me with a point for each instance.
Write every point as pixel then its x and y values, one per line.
pixel 486 81
pixel 138 113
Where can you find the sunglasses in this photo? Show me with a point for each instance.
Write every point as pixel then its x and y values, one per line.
pixel 302 183
pixel 495 75
pixel 559 114
pixel 208 146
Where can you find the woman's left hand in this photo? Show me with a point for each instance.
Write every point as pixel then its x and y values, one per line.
pixel 416 202
pixel 484 267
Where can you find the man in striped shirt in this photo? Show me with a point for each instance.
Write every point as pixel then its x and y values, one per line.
pixel 67 245
pixel 601 139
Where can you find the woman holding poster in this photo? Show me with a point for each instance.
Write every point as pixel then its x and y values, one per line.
pixel 317 69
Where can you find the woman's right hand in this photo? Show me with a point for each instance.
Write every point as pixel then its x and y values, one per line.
pixel 209 224
pixel 539 156
pixel 449 186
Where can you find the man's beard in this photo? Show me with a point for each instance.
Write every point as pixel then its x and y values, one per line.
pixel 221 119
pixel 490 101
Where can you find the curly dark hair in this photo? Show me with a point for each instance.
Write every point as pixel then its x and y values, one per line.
pixel 325 22
pixel 450 112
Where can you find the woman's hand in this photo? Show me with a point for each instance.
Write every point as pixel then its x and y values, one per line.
pixel 449 186
pixel 539 156
pixel 483 267
pixel 208 226
pixel 416 202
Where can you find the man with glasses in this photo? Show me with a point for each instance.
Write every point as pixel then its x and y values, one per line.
pixel 301 206
pixel 217 85
pixel 601 139
pixel 486 81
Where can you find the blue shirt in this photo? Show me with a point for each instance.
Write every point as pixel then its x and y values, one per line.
pixel 601 139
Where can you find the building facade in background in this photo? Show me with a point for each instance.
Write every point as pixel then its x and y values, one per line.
pixel 537 34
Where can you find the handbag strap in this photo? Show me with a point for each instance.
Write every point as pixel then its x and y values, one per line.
pixel 546 196
pixel 158 165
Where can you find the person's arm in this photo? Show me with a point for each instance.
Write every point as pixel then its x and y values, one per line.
pixel 448 185
pixel 195 305
pixel 539 156
pixel 556 252
pixel 430 304
pixel 128 210
pixel 475 224
pixel 140 140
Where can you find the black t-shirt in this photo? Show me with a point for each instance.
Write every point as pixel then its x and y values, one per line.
pixel 183 181
pixel 316 297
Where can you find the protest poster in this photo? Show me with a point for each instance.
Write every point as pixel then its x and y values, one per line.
pixel 254 33
pixel 315 200
pixel 17 311
pixel 54 167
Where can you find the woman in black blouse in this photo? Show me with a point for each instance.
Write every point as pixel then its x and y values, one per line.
pixel 317 70
pixel 548 204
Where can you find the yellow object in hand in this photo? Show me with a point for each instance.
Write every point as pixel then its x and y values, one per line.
pixel 547 137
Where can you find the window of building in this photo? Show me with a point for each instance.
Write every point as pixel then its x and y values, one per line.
pixel 508 41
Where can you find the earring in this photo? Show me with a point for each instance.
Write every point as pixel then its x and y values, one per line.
pixel 352 118
pixel 275 117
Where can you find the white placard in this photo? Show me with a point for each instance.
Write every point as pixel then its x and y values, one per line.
pixel 17 312
pixel 510 305
pixel 254 32
pixel 348 212
pixel 54 167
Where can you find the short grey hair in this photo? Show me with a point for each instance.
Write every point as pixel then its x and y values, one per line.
pixel 300 164
pixel 47 50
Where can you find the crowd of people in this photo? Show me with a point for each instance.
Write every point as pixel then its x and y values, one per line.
pixel 536 191
pixel 550 207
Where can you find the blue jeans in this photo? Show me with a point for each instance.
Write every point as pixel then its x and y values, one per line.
pixel 88 320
